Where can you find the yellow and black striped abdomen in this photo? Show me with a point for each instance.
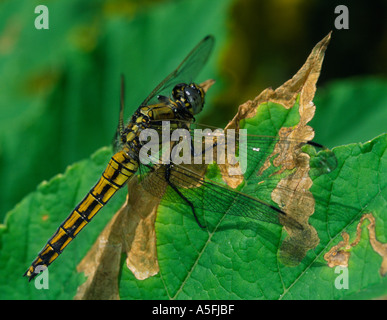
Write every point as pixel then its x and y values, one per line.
pixel 120 168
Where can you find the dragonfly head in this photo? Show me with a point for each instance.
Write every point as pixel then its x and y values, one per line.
pixel 191 96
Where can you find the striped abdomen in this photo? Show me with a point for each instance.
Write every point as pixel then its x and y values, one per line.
pixel 120 168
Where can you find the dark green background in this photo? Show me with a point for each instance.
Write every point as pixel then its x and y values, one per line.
pixel 59 88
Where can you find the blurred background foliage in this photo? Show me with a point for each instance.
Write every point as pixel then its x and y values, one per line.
pixel 59 88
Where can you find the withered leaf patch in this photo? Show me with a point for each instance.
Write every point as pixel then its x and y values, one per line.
pixel 339 254
pixel 292 193
pixel 131 231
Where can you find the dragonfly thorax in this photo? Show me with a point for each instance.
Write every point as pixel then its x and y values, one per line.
pixel 190 96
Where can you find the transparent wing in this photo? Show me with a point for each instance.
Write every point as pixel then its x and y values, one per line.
pixel 186 72
pixel 204 194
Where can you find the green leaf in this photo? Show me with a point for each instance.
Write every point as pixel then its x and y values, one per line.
pixel 356 187
pixel 239 259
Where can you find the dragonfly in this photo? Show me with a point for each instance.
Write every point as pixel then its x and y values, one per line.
pixel 177 99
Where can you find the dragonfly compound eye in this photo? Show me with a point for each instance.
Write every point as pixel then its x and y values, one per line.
pixel 192 96
pixel 195 97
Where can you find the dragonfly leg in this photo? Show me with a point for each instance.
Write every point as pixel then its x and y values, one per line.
pixel 167 175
